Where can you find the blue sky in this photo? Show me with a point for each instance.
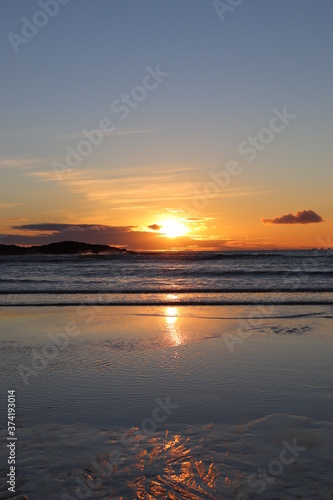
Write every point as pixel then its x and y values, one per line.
pixel 224 80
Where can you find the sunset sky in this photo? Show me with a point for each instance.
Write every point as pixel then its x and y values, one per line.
pixel 215 129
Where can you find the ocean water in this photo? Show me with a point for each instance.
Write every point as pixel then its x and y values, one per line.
pixel 284 277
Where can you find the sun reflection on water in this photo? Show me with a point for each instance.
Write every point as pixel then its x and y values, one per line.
pixel 172 296
pixel 174 333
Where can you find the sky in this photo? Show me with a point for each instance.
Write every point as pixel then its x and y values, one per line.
pixel 167 124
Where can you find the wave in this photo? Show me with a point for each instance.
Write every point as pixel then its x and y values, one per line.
pixel 174 256
pixel 312 314
pixel 173 303
pixel 291 279
pixel 176 291
pixel 269 255
pixel 243 272
pixel 37 281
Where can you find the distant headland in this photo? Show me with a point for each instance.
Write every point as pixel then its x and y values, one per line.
pixel 62 248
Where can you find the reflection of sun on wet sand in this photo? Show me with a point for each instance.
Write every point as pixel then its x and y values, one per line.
pixel 279 456
pixel 170 468
pixel 171 324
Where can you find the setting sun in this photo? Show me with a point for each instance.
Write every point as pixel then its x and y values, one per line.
pixel 172 229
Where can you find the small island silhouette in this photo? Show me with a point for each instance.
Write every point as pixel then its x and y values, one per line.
pixel 62 248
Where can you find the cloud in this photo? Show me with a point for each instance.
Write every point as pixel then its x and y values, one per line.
pixel 131 237
pixel 10 205
pixel 23 111
pixel 51 226
pixel 79 135
pixel 198 219
pixel 302 217
pixel 155 227
pixel 20 163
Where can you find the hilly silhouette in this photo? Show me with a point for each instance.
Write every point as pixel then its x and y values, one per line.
pixel 62 248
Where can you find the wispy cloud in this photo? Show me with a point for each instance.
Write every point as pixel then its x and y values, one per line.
pixel 71 136
pixel 10 205
pixel 26 163
pixel 128 186
pixel 301 217
pixel 24 111
pixel 197 219
pixel 11 220
pixel 172 185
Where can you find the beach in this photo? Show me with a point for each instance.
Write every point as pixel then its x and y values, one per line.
pixel 171 402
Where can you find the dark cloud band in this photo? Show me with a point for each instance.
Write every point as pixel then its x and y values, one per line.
pixel 302 217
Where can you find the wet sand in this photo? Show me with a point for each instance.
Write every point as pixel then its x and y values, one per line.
pixel 174 402
pixel 279 456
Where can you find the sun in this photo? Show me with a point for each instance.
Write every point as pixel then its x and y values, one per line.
pixel 173 228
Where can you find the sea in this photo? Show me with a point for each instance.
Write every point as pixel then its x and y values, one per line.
pixel 302 277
